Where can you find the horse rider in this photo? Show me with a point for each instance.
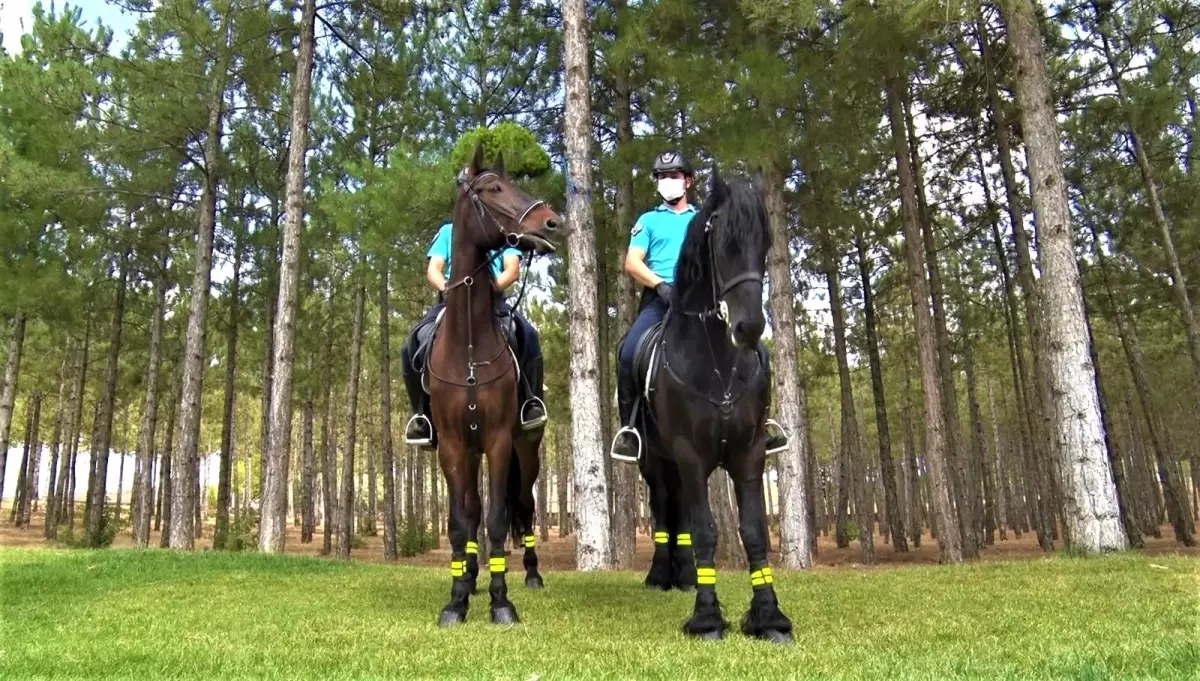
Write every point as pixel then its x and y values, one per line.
pixel 654 247
pixel 506 267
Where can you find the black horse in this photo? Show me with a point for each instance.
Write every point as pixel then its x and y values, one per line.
pixel 706 406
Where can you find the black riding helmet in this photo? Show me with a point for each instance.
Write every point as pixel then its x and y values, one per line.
pixel 672 160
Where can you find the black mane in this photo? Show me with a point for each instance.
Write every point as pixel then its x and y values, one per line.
pixel 739 222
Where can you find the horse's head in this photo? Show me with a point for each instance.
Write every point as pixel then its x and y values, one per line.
pixel 726 253
pixel 508 215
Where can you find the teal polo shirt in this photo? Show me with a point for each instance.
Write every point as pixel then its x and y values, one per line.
pixel 660 233
pixel 441 248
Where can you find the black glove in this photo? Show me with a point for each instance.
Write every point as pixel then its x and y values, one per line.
pixel 665 291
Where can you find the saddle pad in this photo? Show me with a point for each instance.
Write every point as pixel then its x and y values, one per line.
pixel 646 358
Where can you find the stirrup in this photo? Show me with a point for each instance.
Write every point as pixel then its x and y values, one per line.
pixel 539 421
pixel 784 433
pixel 422 442
pixel 612 450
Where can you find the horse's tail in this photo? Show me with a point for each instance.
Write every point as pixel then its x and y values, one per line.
pixel 513 502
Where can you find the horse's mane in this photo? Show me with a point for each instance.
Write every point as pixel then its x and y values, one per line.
pixel 740 224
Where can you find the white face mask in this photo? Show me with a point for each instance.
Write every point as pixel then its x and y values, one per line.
pixel 670 188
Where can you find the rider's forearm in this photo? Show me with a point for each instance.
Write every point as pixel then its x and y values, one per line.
pixel 434 276
pixel 512 270
pixel 641 273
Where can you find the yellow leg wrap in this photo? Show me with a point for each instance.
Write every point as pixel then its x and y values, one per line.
pixel 530 541
pixel 458 568
pixel 684 539
pixel 661 537
pixel 706 576
pixel 472 548
pixel 498 564
pixel 762 577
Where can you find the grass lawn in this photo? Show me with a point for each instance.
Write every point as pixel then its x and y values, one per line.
pixel 152 614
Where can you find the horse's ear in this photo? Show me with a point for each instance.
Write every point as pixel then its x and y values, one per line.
pixel 717 189
pixel 757 181
pixel 477 162
pixel 499 167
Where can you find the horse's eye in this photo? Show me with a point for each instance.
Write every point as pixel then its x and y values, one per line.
pixel 495 189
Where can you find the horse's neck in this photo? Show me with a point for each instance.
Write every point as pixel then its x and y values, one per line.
pixel 468 308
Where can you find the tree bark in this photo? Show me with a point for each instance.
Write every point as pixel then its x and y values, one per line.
pixel 273 528
pixel 346 526
pixel 33 446
pixel 385 414
pixel 593 549
pixel 1089 499
pixel 307 507
pixel 1000 478
pixel 149 420
pixel 560 460
pixel 100 446
pixel 795 538
pixel 57 471
pixel 915 504
pixel 328 448
pixel 946 521
pixel 979 447
pixel 8 397
pixel 372 506
pixel 225 472
pixel 895 518
pixel 164 475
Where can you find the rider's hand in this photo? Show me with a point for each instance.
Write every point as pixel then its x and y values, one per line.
pixel 665 291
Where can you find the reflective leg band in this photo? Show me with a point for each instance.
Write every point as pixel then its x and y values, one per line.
pixel 762 577
pixel 684 539
pixel 661 537
pixel 472 548
pixel 498 564
pixel 530 541
pixel 706 576
pixel 458 568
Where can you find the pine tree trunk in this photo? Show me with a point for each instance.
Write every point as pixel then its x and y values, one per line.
pixel 102 443
pixel 979 448
pixel 273 527
pixel 33 446
pixel 542 504
pixel 372 493
pixel 593 546
pixel 560 460
pixel 895 518
pixel 121 466
pixel 435 501
pixel 915 528
pixel 346 520
pixel 328 449
pixel 16 513
pixel 8 397
pixel 385 414
pixel 164 473
pixel 1003 495
pixel 795 537
pixel 1088 496
pixel 66 479
pixel 729 546
pixel 307 506
pixel 149 417
pixel 946 522
pixel 182 531
pixel 225 473
pixel 57 470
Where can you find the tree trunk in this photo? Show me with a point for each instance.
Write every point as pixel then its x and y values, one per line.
pixel 1038 452
pixel 560 460
pixel 164 472
pixel 593 546
pixel 910 456
pixel 182 532
pixel 979 454
pixel 33 446
pixel 273 528
pixel 100 446
pixel 346 526
pixel 372 492
pixel 66 480
pixel 121 467
pixel 328 448
pixel 729 547
pixel 57 470
pixel 225 472
pixel 542 511
pixel 895 518
pixel 149 419
pixel 435 502
pixel 16 513
pixel 1089 499
pixel 385 414
pixel 8 397
pixel 946 523
pixel 307 507
pixel 999 476
pixel 795 538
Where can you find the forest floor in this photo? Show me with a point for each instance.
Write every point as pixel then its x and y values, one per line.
pixel 158 614
pixel 558 553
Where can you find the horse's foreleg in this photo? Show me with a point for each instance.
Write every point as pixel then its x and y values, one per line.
pixel 764 619
pixel 526 505
pixel 661 575
pixel 707 621
pixel 683 555
pixel 499 457
pixel 461 530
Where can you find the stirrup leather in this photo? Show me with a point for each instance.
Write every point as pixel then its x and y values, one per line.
pixel 531 424
pixel 613 448
pixel 421 442
pixel 784 433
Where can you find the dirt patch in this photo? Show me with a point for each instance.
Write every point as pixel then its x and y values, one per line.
pixel 558 553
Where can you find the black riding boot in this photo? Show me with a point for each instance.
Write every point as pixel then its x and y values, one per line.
pixel 533 409
pixel 777 439
pixel 627 443
pixel 419 430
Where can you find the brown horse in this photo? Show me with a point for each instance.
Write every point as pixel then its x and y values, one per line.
pixel 473 387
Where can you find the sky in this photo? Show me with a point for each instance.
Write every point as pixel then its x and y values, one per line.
pixel 16 18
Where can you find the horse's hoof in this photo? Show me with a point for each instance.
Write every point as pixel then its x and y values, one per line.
pixel 474 587
pixel 686 588
pixel 451 618
pixel 711 635
pixel 534 583
pixel 505 615
pixel 653 586
pixel 778 637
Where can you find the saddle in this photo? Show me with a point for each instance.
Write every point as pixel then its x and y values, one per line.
pixel 425 333
pixel 647 358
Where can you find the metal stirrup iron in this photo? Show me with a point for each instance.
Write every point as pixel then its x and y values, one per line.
pixel 539 421
pixel 636 436
pixel 786 437
pixel 421 442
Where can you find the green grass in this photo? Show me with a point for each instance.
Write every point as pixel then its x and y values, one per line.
pixel 144 615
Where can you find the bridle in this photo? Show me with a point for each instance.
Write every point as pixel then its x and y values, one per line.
pixel 721 287
pixel 483 212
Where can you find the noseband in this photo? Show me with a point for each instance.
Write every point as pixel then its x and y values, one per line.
pixel 482 209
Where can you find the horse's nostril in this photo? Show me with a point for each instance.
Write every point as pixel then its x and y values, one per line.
pixel 551 223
